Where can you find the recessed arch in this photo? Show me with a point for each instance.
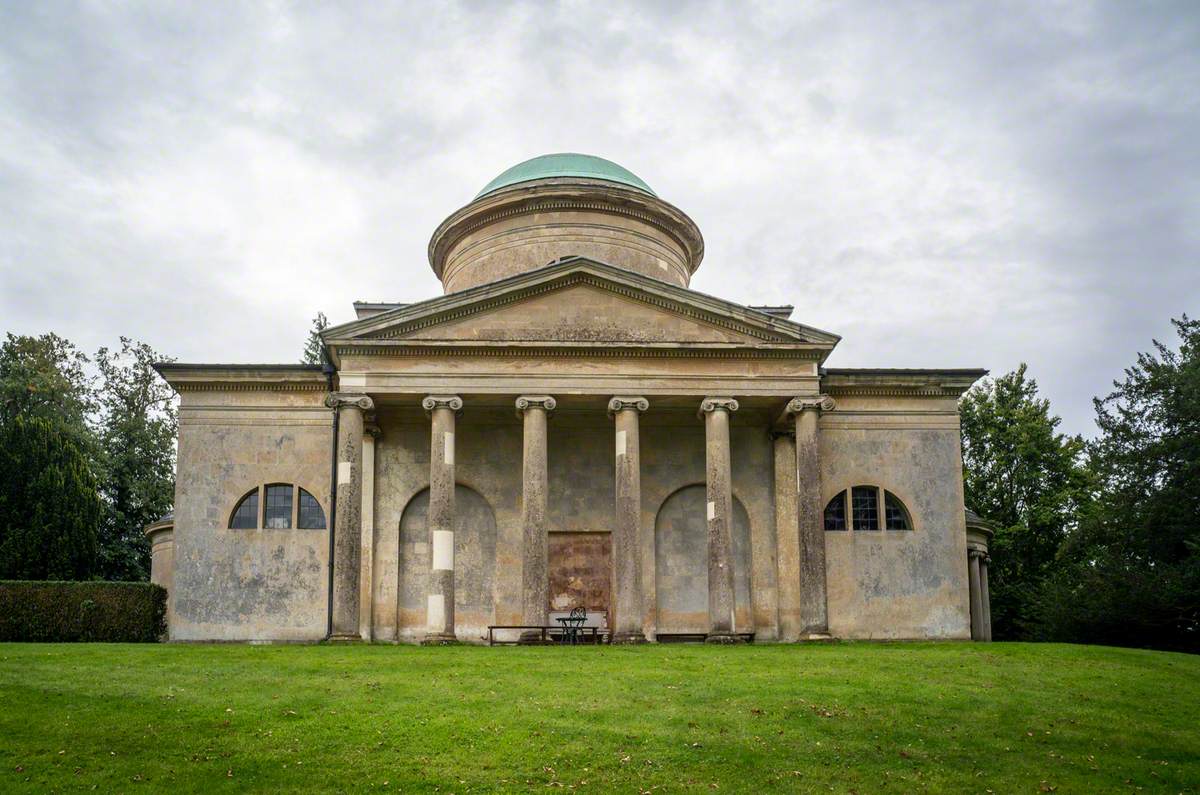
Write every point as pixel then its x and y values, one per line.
pixel 474 560
pixel 681 563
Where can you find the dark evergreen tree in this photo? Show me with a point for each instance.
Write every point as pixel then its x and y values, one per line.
pixel 1130 574
pixel 314 349
pixel 1024 475
pixel 49 505
pixel 138 424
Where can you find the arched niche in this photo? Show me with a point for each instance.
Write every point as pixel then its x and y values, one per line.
pixel 681 563
pixel 474 560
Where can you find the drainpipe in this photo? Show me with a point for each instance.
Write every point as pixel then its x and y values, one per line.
pixel 329 371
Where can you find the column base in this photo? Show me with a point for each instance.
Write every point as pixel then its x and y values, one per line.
pixel 627 638
pixel 345 637
pixel 723 638
pixel 815 637
pixel 439 639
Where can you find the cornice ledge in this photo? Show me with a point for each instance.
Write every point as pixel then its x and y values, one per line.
pixel 570 349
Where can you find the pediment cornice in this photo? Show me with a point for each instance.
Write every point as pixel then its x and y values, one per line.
pixel 757 326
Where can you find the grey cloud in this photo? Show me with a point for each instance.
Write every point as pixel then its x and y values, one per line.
pixel 943 185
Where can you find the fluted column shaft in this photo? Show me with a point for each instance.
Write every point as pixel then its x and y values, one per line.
pixel 440 605
pixel 719 507
pixel 976 594
pixel 627 548
pixel 535 584
pixel 348 514
pixel 814 605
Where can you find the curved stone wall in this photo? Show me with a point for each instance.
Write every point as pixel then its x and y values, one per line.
pixel 528 227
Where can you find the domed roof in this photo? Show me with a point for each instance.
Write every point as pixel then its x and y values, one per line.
pixel 566 164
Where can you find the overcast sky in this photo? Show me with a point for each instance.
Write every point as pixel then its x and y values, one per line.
pixel 944 185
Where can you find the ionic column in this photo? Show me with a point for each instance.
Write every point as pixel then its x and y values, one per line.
pixel 787 539
pixel 984 597
pixel 366 584
pixel 440 606
pixel 347 526
pixel 719 492
pixel 814 604
pixel 976 595
pixel 535 585
pixel 627 548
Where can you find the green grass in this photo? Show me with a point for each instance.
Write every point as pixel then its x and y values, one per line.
pixel 952 717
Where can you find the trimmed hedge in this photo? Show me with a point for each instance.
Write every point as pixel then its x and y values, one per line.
pixel 110 612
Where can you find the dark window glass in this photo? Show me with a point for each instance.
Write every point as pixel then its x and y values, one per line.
pixel 245 517
pixel 311 515
pixel 895 517
pixel 835 513
pixel 865 501
pixel 277 511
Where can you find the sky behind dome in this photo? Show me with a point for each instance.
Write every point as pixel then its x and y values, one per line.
pixel 944 185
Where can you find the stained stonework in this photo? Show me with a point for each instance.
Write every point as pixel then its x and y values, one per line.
pixel 566 295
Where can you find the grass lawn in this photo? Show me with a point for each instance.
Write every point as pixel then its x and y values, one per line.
pixel 952 717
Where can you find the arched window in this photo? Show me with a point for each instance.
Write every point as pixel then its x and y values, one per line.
pixel 894 512
pixel 277 511
pixel 835 513
pixel 311 515
pixel 284 505
pixel 866 508
pixel 245 515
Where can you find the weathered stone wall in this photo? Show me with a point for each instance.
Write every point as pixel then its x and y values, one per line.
pixel 887 583
pixel 249 584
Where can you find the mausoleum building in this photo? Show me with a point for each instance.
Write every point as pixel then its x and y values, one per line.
pixel 570 425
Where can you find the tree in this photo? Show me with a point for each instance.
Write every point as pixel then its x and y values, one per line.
pixel 49 505
pixel 1027 478
pixel 314 349
pixel 1130 573
pixel 138 423
pixel 45 377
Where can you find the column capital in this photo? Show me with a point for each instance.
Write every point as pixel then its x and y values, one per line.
pixel 372 429
pixel 544 402
pixel 340 399
pixel 452 402
pixel 627 402
pixel 814 403
pixel 711 404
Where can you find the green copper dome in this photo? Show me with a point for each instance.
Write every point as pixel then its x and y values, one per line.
pixel 566 164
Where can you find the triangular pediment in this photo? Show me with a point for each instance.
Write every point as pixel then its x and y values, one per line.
pixel 578 301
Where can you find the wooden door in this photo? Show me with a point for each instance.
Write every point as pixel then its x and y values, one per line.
pixel 581 572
